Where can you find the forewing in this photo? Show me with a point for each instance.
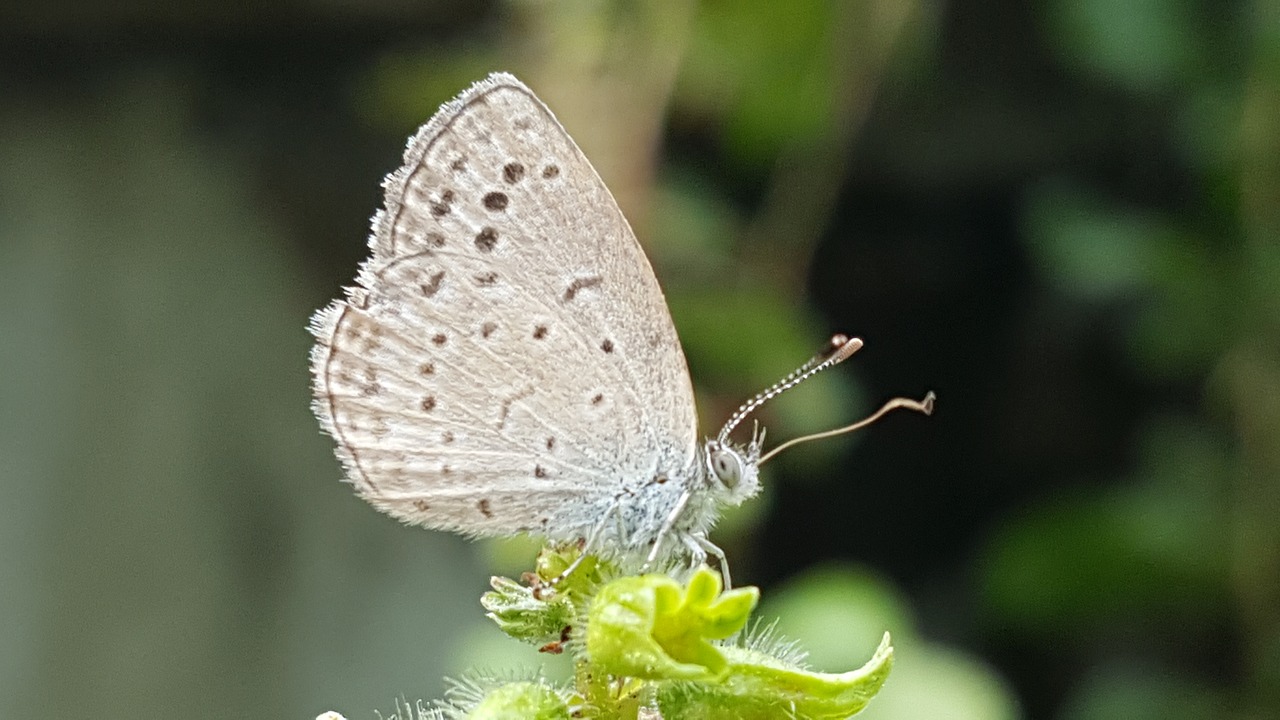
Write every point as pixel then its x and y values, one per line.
pixel 508 352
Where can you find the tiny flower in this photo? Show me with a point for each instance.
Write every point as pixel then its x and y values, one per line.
pixel 525 614
pixel 542 611
pixel 650 627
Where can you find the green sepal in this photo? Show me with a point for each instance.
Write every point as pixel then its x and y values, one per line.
pixel 760 686
pixel 650 627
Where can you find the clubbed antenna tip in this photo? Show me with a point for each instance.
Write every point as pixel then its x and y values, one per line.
pixel 840 348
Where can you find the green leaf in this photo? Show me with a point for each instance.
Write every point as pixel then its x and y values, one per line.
pixel 1146 46
pixel 756 685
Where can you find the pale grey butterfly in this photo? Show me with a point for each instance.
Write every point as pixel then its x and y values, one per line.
pixel 506 363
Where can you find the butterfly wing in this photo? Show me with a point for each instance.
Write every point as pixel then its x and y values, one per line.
pixel 507 362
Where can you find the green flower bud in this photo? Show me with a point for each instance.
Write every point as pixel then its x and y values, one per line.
pixel 590 573
pixel 521 701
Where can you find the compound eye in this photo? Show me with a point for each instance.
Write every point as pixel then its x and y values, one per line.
pixel 727 467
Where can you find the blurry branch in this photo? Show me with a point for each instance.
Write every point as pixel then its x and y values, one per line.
pixel 1252 368
pixel 608 68
pixel 810 173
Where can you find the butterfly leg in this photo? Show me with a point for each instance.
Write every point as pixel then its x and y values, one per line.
pixel 706 547
pixel 697 554
pixel 667 525
pixel 593 539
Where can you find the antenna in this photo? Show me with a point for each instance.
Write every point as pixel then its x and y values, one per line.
pixel 922 406
pixel 840 348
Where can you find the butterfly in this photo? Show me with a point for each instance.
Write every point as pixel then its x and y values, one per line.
pixel 506 363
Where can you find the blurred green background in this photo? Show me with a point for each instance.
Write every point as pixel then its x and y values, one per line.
pixel 1061 216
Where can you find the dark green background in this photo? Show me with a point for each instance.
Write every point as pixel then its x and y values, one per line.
pixel 1061 216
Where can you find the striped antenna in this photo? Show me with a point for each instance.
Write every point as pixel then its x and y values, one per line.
pixel 839 349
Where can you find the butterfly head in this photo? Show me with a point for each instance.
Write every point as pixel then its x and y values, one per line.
pixel 733 471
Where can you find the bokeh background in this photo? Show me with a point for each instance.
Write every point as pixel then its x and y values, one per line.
pixel 1060 216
